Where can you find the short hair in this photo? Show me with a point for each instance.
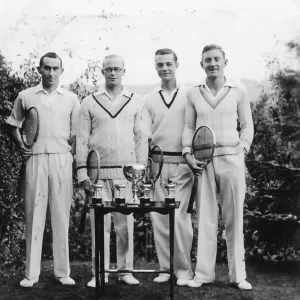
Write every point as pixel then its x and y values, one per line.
pixel 213 47
pixel 165 51
pixel 50 55
pixel 113 56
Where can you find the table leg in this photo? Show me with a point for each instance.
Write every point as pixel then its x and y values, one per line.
pixel 97 257
pixel 102 255
pixel 171 226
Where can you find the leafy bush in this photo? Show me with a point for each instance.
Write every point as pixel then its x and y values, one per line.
pixel 273 162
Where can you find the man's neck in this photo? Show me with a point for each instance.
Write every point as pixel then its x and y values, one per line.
pixel 114 91
pixel 50 89
pixel 169 85
pixel 215 83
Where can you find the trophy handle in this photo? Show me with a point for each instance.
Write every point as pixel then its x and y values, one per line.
pixel 154 176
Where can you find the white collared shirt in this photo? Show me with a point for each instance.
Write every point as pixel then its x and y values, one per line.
pixel 102 91
pixel 168 97
pixel 227 83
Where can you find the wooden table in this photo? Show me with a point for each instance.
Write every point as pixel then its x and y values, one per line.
pixel 108 207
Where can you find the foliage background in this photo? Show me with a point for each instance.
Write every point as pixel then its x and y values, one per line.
pixel 272 205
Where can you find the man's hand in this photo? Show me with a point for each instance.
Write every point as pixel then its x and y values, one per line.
pixel 195 165
pixel 87 186
pixel 26 153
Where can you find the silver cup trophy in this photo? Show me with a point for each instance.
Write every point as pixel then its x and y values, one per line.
pixel 96 198
pixel 134 173
pixel 145 199
pixel 170 187
pixel 120 199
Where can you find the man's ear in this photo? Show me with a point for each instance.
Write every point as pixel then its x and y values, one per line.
pixel 177 64
pixel 124 71
pixel 102 71
pixel 62 70
pixel 201 64
pixel 39 69
pixel 226 62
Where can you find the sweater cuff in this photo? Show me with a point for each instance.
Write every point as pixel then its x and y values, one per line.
pixel 82 175
pixel 245 145
pixel 186 150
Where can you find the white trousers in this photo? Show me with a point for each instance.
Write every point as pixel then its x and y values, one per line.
pixel 48 176
pixel 224 175
pixel 123 226
pixel 183 231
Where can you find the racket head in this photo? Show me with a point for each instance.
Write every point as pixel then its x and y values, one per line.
pixel 159 158
pixel 30 127
pixel 203 144
pixel 93 165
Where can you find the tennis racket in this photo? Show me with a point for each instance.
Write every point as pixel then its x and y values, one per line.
pixel 203 147
pixel 93 172
pixel 29 134
pixel 151 175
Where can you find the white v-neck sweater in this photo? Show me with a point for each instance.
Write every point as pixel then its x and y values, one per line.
pixel 222 116
pixel 115 129
pixel 165 122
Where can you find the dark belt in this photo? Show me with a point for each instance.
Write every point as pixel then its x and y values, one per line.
pixel 167 153
pixel 103 167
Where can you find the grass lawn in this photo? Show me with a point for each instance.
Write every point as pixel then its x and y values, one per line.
pixel 270 282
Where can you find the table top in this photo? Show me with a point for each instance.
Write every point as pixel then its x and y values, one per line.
pixel 156 206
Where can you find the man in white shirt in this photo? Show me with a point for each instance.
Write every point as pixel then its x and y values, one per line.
pixel 164 117
pixel 48 167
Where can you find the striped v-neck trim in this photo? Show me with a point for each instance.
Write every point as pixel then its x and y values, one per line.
pixel 112 113
pixel 210 99
pixel 163 99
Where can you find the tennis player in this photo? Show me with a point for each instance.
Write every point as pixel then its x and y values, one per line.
pixel 221 104
pixel 49 167
pixel 110 122
pixel 164 115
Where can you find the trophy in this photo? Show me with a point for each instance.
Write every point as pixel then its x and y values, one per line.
pixel 97 199
pixel 120 200
pixel 134 173
pixel 170 199
pixel 145 199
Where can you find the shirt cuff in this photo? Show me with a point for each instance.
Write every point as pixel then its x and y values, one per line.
pixel 82 175
pixel 186 150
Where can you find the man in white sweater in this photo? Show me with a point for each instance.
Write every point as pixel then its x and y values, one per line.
pixel 164 116
pixel 110 122
pixel 219 103
pixel 48 168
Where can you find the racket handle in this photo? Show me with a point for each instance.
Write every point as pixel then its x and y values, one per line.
pixel 192 197
pixel 81 226
pixel 85 210
pixel 21 181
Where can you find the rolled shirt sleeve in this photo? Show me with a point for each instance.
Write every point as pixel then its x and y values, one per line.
pixel 18 112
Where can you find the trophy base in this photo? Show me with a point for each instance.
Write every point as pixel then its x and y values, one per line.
pixel 170 202
pixel 120 202
pixel 145 201
pixel 97 201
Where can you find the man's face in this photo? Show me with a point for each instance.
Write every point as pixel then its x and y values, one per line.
pixel 166 66
pixel 50 70
pixel 213 63
pixel 113 71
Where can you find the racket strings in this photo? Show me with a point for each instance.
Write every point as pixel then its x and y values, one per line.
pixel 93 166
pixel 203 144
pixel 30 127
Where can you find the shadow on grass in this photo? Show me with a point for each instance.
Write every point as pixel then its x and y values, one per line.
pixel 269 282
